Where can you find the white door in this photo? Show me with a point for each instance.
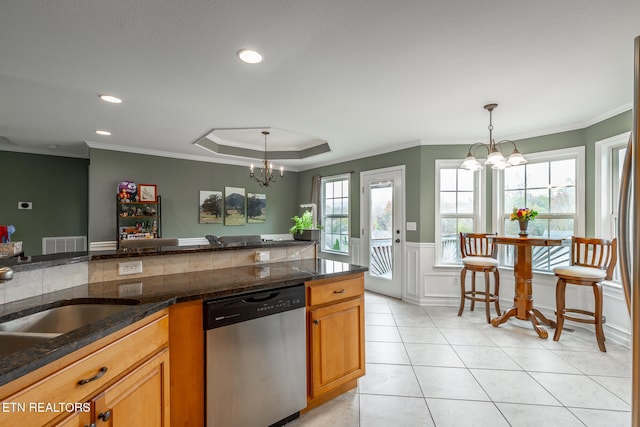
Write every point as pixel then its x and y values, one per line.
pixel 382 231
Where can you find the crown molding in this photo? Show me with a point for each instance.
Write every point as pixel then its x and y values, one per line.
pixel 172 155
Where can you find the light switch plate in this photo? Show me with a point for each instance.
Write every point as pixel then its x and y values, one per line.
pixel 412 226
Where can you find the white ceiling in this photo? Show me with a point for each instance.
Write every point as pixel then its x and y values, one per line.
pixel 368 76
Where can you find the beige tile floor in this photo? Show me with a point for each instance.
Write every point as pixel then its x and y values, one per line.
pixel 428 367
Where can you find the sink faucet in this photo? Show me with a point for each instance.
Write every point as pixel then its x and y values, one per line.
pixel 6 274
pixel 313 213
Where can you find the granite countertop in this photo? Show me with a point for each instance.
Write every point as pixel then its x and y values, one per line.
pixel 148 295
pixel 26 263
pixel 177 250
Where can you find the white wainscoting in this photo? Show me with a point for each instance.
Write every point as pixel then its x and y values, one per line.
pixel 428 285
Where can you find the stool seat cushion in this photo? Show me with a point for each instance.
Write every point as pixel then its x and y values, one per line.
pixel 480 261
pixel 581 272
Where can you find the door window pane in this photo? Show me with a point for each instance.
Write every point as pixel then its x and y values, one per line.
pixel 381 232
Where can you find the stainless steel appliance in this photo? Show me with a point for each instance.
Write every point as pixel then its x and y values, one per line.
pixel 629 238
pixel 256 358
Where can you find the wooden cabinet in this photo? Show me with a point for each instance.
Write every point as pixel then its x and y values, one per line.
pixel 124 374
pixel 139 399
pixel 335 338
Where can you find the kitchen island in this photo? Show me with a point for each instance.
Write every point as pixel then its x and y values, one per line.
pixel 180 295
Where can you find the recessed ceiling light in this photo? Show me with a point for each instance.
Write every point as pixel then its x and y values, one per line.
pixel 249 56
pixel 110 98
pixel 54 146
pixel 103 132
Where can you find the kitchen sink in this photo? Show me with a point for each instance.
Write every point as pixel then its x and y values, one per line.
pixel 10 342
pixel 60 320
pixel 32 329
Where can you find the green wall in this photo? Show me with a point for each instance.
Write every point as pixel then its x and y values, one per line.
pixel 57 187
pixel 420 173
pixel 76 197
pixel 179 183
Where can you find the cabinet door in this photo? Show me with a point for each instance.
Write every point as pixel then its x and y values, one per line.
pixel 139 399
pixel 337 344
pixel 78 419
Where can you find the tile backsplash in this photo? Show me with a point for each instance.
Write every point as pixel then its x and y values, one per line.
pixel 27 284
pixel 107 270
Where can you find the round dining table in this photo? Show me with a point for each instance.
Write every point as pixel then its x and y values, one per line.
pixel 523 308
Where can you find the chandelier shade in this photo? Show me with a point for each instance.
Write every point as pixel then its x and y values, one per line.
pixel 266 177
pixel 495 154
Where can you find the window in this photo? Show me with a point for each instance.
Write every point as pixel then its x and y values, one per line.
pixel 552 183
pixel 609 155
pixel 335 214
pixel 458 208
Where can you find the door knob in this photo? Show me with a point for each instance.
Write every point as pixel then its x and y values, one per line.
pixel 397 240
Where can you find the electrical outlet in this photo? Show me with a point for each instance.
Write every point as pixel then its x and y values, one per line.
pixel 262 256
pixel 132 267
pixel 130 290
pixel 456 281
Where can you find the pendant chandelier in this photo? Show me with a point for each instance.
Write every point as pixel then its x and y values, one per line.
pixel 495 155
pixel 266 177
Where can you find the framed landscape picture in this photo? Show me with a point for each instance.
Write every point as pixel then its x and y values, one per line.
pixel 256 208
pixel 234 206
pixel 210 207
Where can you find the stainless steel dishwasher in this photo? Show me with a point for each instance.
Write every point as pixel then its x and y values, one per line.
pixel 256 374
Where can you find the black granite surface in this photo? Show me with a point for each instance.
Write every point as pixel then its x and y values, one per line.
pixel 157 293
pixel 177 250
pixel 26 263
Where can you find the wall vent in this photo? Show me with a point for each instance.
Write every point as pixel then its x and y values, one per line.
pixel 54 245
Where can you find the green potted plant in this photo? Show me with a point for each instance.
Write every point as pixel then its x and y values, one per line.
pixel 303 227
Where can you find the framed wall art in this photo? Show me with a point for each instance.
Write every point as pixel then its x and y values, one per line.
pixel 256 208
pixel 147 193
pixel 211 206
pixel 234 206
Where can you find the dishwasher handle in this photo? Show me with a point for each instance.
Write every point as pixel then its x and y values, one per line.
pixel 253 300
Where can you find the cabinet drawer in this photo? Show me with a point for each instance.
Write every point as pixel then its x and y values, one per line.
pixel 334 291
pixel 64 385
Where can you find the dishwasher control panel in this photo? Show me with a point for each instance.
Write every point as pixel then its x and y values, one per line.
pixel 240 308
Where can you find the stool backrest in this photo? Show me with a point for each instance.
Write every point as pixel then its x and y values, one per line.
pixel 477 244
pixel 594 253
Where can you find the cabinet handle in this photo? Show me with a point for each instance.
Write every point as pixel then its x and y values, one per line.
pixel 91 425
pixel 100 373
pixel 104 416
pixel 339 292
pixel 317 322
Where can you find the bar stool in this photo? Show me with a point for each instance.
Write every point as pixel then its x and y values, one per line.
pixel 479 255
pixel 592 261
